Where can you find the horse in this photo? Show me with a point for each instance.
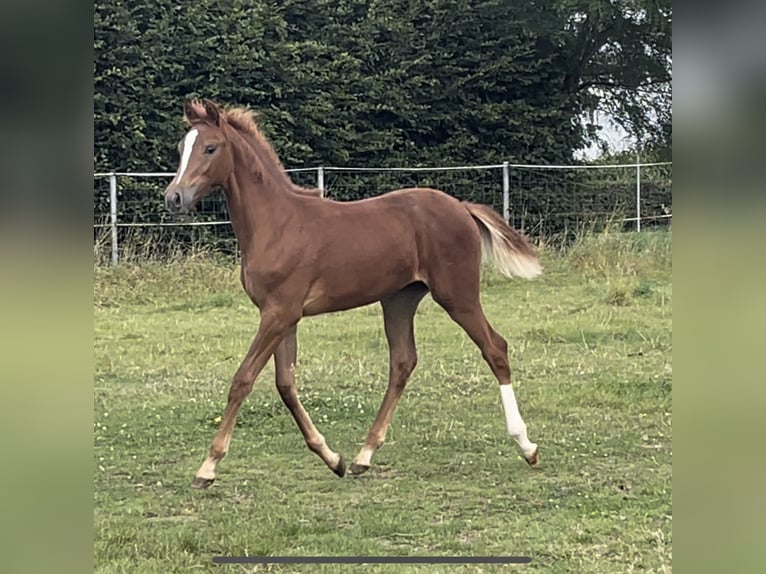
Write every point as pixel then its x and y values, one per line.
pixel 304 255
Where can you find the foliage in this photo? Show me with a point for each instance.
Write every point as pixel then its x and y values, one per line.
pixel 619 57
pixel 379 82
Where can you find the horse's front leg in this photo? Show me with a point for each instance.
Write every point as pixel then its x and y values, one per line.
pixel 273 327
pixel 284 365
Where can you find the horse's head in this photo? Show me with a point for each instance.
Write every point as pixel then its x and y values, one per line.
pixel 206 157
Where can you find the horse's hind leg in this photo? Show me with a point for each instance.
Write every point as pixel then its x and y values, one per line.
pixel 284 363
pixel 398 315
pixel 494 349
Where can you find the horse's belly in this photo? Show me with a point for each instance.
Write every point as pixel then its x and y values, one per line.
pixel 356 286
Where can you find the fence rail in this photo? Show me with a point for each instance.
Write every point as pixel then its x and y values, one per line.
pixel 538 199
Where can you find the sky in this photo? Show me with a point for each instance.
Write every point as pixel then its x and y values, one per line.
pixel 616 138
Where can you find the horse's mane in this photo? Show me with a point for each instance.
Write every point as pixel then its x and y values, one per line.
pixel 244 121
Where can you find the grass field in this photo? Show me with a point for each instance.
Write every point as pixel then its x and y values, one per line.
pixel 590 346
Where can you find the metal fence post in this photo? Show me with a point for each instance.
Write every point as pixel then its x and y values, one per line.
pixel 638 193
pixel 506 193
pixel 320 179
pixel 113 215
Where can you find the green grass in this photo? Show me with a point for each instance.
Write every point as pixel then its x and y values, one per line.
pixel 590 345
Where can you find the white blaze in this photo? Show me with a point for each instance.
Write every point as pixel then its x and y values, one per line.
pixel 186 154
pixel 513 422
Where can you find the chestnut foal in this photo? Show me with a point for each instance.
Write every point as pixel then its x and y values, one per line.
pixel 303 255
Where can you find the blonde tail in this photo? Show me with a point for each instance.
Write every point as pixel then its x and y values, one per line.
pixel 508 249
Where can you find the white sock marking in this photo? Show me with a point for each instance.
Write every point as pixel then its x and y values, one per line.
pixel 188 146
pixel 513 422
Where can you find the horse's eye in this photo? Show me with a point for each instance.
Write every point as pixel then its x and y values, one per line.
pixel 210 149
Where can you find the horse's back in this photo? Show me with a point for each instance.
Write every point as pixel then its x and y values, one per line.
pixel 411 196
pixel 418 205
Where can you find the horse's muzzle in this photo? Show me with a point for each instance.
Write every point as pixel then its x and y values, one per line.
pixel 173 201
pixel 178 199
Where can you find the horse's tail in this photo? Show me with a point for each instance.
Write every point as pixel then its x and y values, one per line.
pixel 508 249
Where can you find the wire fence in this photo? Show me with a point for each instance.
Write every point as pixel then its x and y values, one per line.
pixel 540 200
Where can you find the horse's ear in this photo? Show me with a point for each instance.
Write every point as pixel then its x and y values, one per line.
pixel 191 112
pixel 213 112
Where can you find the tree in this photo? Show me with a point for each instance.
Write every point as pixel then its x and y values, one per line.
pixel 619 58
pixel 383 82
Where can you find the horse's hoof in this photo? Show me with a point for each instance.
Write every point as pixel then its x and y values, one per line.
pixel 534 458
pixel 340 468
pixel 202 483
pixel 357 469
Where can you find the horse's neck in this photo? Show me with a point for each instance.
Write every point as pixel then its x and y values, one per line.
pixel 258 207
pixel 308 191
